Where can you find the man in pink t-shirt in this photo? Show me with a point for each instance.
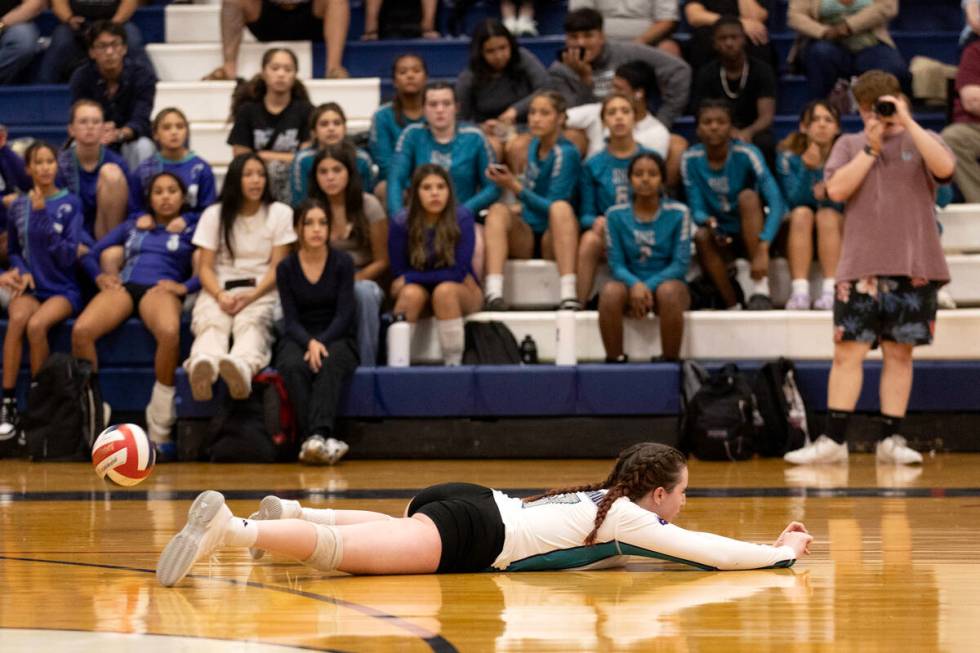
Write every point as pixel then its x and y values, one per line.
pixel 963 135
pixel 891 266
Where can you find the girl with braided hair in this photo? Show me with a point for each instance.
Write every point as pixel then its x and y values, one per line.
pixel 459 527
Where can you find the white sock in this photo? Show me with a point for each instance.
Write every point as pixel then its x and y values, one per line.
pixel 161 413
pixel 493 285
pixel 801 287
pixel 828 286
pixel 734 307
pixel 451 340
pixel 567 286
pixel 240 532
pixel 761 286
pixel 325 516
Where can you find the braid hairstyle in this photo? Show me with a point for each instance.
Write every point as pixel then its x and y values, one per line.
pixel 640 468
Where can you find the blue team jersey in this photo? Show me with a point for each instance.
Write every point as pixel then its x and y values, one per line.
pixel 150 255
pixel 548 179
pixel 299 173
pixel 604 183
pixel 384 135
pixel 82 182
pixel 649 252
pixel 714 193
pixel 465 157
pixel 192 170
pixel 797 181
pixel 45 244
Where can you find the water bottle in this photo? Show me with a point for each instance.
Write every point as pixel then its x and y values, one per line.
pixel 399 343
pixel 565 338
pixel 529 351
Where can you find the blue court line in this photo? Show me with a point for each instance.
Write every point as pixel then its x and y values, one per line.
pixel 437 643
pixel 408 493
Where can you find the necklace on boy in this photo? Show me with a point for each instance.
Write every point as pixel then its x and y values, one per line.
pixel 741 81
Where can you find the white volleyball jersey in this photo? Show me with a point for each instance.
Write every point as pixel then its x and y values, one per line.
pixel 549 534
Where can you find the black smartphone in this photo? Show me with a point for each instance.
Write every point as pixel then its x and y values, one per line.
pixel 561 51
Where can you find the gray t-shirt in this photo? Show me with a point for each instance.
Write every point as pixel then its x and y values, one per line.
pixel 890 223
pixel 624 20
pixel 362 255
pixel 489 99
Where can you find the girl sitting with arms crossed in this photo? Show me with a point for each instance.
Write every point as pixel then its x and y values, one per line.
pixel 45 237
pixel 543 224
pixel 649 253
pixel 155 277
pixel 461 528
pixel 430 245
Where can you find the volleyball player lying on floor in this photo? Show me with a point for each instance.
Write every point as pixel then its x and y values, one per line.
pixel 459 527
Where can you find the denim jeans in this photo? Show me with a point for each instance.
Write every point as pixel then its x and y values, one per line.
pixel 369 297
pixel 18 44
pixel 825 62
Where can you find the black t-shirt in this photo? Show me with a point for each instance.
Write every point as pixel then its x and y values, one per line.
pixel 94 9
pixel 760 82
pixel 255 127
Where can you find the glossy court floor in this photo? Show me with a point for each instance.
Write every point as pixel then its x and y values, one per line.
pixel 894 566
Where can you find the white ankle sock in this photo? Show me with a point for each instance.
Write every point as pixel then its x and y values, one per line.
pixel 493 285
pixel 801 287
pixel 761 286
pixel 240 532
pixel 567 287
pixel 828 286
pixel 451 339
pixel 325 516
pixel 161 413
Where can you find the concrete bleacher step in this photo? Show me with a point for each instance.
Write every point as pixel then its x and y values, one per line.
pixel 187 62
pixel 961 228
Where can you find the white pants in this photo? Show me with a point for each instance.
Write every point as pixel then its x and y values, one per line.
pixel 250 330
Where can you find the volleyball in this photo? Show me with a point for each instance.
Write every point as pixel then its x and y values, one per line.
pixel 123 454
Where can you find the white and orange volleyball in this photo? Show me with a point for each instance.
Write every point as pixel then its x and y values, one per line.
pixel 123 454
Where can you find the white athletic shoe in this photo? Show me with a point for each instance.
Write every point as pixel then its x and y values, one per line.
pixel 237 376
pixel 819 452
pixel 895 450
pixel 273 507
pixel 207 520
pixel 816 476
pixel 316 450
pixel 202 375
pixel 525 26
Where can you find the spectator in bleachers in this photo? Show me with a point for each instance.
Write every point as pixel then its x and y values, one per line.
pixel 404 19
pixel 584 71
pixel 839 38
pixel 891 266
pixel 649 254
pixel 359 227
pixel 281 20
pixel 171 132
pixel 701 15
pixel 272 118
pixel 647 22
pixel 71 40
pixel 328 126
pixel 726 182
pixel 542 223
pixel 749 84
pixel 409 77
pixel 93 171
pixel 18 37
pixel 124 86
pixel 240 240
pixel 153 280
pixel 634 80
pixel 45 239
pixel 518 17
pixel 318 354
pixel 799 170
pixel 495 89
pixel 430 245
pixel 13 180
pixel 463 151
pixel 963 136
pixel 602 184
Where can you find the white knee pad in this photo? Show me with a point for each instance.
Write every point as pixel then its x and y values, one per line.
pixel 329 551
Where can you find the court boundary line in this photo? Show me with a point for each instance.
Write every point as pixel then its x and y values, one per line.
pixel 437 643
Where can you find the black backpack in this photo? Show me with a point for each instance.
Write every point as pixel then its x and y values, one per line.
pixel 64 410
pixel 260 429
pixel 490 343
pixel 781 406
pixel 719 415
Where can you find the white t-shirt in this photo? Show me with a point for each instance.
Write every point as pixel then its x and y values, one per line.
pixel 550 534
pixel 252 239
pixel 649 132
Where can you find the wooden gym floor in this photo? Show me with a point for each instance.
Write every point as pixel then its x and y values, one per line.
pixel 894 566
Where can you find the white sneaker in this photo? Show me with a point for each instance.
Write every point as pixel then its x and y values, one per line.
pixel 202 375
pixel 319 451
pixel 895 450
pixel 161 413
pixel 237 376
pixel 822 451
pixel 945 300
pixel 526 26
pixel 511 24
pixel 207 520
pixel 273 507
